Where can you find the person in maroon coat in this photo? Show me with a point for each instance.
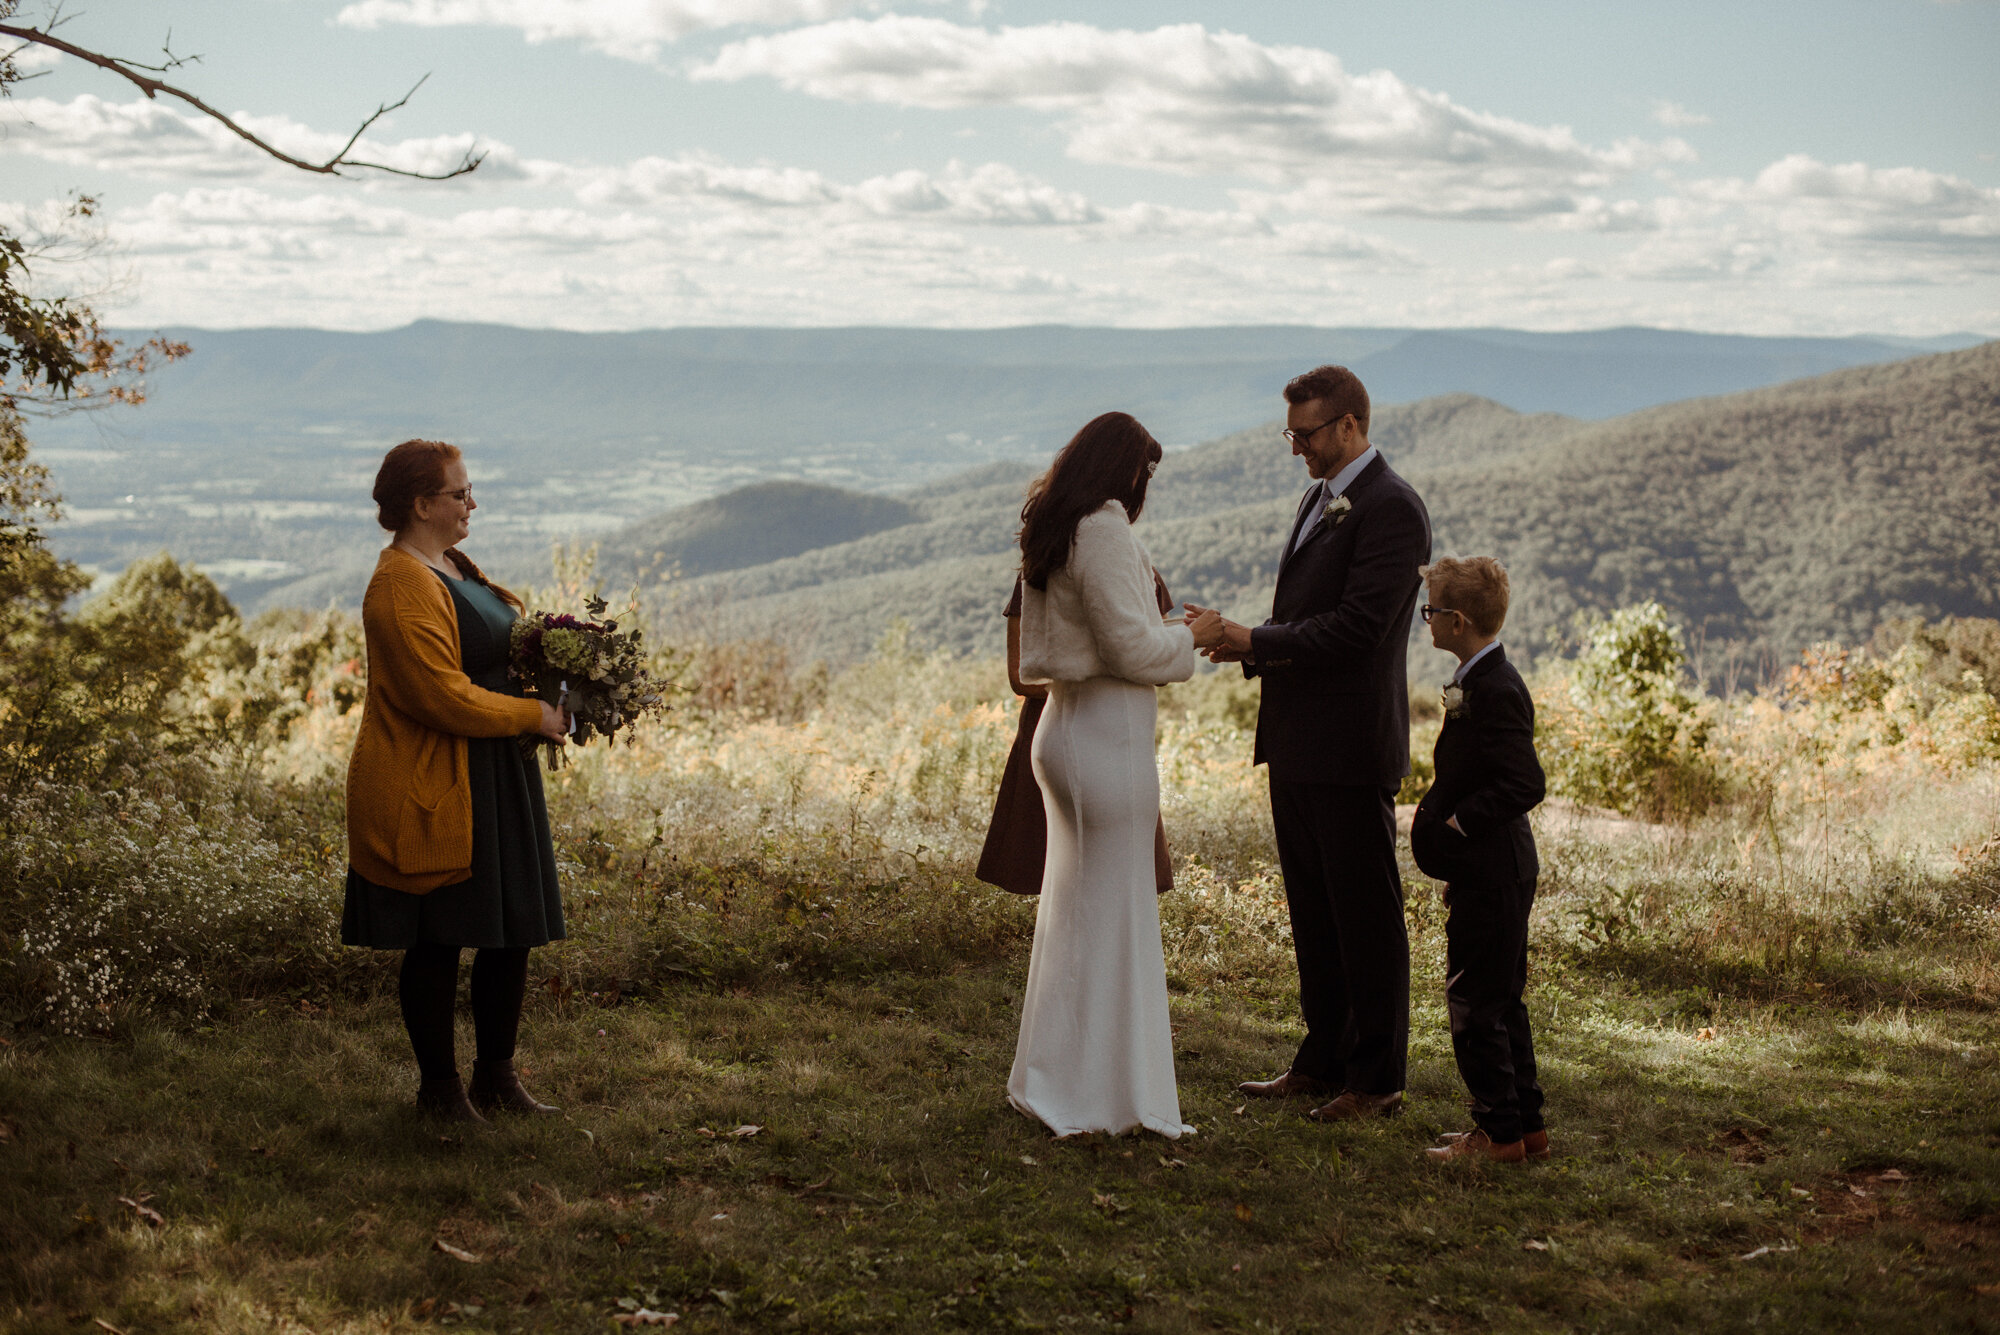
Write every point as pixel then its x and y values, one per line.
pixel 1471 832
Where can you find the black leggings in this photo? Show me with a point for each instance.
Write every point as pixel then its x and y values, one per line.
pixel 428 989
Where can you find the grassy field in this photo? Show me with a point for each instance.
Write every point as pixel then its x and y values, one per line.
pixel 780 1031
pixel 1776 1163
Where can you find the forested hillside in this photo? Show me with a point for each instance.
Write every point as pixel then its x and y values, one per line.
pixel 1764 520
pixel 255 453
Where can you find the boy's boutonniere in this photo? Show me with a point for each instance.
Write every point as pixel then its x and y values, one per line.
pixel 1336 510
pixel 1454 702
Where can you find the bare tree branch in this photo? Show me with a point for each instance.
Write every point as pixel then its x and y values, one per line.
pixel 136 74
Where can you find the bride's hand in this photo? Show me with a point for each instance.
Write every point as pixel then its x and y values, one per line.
pixel 1206 624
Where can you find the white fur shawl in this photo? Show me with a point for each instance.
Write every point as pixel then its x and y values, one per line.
pixel 1098 617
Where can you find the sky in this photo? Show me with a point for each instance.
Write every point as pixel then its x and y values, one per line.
pixel 1738 166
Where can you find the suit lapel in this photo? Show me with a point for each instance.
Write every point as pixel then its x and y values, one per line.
pixel 1303 517
pixel 1318 521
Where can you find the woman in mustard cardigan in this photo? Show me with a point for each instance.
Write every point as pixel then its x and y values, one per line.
pixel 447 835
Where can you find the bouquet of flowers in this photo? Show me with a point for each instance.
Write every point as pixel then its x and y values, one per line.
pixel 587 666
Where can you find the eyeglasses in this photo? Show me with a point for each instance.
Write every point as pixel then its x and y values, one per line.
pixel 463 495
pixel 1428 612
pixel 1295 437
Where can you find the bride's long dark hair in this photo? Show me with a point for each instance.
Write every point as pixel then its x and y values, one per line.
pixel 1106 461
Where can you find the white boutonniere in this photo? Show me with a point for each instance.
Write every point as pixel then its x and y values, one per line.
pixel 1454 702
pixel 1336 510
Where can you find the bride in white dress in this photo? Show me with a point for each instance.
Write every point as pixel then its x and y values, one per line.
pixel 1096 1047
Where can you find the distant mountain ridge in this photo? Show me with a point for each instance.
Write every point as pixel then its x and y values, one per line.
pixel 255 454
pixel 1764 520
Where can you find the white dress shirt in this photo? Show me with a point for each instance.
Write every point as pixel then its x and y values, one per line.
pixel 1334 486
pixel 1466 666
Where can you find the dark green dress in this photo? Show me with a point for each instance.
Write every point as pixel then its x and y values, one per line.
pixel 511 897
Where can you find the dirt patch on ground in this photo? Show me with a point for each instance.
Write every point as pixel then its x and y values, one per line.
pixel 1742 1144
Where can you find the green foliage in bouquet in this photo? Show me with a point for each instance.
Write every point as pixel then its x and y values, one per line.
pixel 587 666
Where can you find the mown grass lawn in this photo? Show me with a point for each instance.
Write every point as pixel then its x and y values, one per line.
pixel 1809 1167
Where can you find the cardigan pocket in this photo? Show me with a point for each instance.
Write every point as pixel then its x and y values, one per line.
pixel 430 837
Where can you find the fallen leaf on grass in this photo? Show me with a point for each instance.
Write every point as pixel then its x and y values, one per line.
pixel 102 1324
pixel 1029 1160
pixel 646 1316
pixel 1243 1213
pixel 1534 1245
pixel 1108 1203
pixel 455 1253
pixel 1766 1251
pixel 1892 1175
pixel 704 1131
pixel 7 1131
pixel 1704 1035
pixel 1801 1191
pixel 1987 1290
pixel 745 1131
pixel 1857 1191
pixel 151 1217
pixel 1165 1162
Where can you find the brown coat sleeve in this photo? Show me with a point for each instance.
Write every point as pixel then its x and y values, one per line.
pixel 413 652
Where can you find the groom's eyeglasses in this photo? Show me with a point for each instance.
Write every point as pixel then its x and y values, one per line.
pixel 1428 612
pixel 1296 437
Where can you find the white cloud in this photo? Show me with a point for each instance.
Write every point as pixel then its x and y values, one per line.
pixel 632 29
pixel 653 179
pixel 31 58
pixel 1189 100
pixel 1874 207
pixel 152 140
pixel 696 239
pixel 1677 117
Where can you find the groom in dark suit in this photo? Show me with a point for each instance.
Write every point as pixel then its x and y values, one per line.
pixel 1334 727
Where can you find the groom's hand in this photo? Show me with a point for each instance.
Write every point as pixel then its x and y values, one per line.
pixel 1231 642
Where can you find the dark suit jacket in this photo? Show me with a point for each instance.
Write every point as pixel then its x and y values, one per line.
pixel 1488 777
pixel 1334 655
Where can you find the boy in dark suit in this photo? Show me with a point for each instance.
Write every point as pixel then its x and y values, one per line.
pixel 1471 832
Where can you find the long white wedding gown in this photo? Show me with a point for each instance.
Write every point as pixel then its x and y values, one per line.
pixel 1096 1051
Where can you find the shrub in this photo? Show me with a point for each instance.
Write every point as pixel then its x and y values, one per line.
pixel 168 891
pixel 1624 731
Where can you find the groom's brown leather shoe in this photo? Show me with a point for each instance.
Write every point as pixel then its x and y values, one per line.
pixel 1535 1144
pixel 1354 1107
pixel 1477 1145
pixel 1287 1086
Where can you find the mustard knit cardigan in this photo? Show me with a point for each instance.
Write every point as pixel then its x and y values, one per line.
pixel 409 797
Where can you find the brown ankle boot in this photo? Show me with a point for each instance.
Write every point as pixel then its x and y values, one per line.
pixel 495 1088
pixel 445 1100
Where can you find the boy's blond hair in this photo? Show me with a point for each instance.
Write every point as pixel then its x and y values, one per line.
pixel 1474 585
